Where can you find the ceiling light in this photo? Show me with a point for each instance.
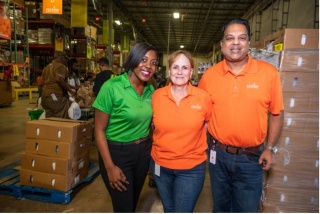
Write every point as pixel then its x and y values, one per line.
pixel 117 22
pixel 176 15
pixel 181 46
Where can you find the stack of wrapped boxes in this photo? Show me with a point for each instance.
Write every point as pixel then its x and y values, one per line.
pixel 57 153
pixel 293 183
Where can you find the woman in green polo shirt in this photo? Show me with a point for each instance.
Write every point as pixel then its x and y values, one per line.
pixel 122 125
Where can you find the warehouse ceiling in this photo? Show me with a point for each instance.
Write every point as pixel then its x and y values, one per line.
pixel 198 27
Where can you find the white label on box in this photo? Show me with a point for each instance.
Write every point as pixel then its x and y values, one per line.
pixel 81 164
pixel 285 178
pixel 289 121
pixel 299 61
pixel 54 165
pixel 53 182
pixel 282 197
pixel 38 131
pixel 33 162
pixel 77 179
pixel 59 134
pixel 291 102
pixel 287 141
pixel 303 39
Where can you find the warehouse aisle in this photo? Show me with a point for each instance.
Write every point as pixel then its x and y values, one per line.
pixel 90 198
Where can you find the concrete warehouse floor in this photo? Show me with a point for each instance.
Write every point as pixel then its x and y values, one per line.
pixel 93 197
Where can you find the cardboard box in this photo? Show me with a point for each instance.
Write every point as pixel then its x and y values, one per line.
pixel 293 178
pixel 51 181
pixel 295 102
pixel 53 165
pixel 6 93
pixel 306 162
pixel 56 149
pixel 295 141
pixel 303 60
pixel 294 38
pixel 291 200
pixel 60 130
pixel 300 82
pixel 301 122
pixel 299 38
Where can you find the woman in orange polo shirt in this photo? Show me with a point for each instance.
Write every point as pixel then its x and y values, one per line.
pixel 180 112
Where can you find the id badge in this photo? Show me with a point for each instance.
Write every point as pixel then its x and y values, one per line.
pixel 213 156
pixel 157 169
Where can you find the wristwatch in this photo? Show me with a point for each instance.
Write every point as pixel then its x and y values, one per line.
pixel 274 149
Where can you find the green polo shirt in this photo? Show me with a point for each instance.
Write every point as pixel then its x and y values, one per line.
pixel 130 114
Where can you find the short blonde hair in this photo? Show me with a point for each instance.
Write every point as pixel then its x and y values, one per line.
pixel 174 55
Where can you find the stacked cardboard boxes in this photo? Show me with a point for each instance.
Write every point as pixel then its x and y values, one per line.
pixel 57 153
pixel 293 183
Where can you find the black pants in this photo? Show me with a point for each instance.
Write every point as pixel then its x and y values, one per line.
pixel 134 162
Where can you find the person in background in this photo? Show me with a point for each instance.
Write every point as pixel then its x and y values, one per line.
pixel 104 75
pixel 55 99
pixel 122 127
pixel 247 107
pixel 180 114
pixel 40 85
pixel 91 79
pixel 8 74
pixel 73 74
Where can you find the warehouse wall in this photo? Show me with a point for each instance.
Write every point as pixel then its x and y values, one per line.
pixel 301 14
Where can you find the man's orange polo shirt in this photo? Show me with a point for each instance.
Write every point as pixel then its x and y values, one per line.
pixel 241 102
pixel 180 135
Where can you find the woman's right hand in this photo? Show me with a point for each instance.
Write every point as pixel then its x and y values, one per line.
pixel 117 179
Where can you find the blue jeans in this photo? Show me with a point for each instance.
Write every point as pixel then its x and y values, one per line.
pixel 236 182
pixel 179 189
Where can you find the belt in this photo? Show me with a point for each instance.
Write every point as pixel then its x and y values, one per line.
pixel 237 150
pixel 138 141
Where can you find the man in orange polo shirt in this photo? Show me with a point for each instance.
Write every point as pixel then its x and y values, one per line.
pixel 247 106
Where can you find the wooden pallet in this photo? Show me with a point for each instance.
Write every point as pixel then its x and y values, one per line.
pixel 10 185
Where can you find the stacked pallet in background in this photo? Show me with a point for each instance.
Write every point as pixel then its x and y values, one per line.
pixel 57 153
pixel 293 183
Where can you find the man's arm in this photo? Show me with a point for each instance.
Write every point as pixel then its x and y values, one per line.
pixel 274 131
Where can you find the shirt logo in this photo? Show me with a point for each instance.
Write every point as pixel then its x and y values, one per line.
pixel 254 86
pixel 195 106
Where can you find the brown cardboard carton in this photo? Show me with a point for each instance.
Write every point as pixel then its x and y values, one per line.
pixel 56 149
pixel 53 165
pixel 57 129
pixel 296 102
pixel 294 38
pixel 298 142
pixel 299 38
pixel 291 200
pixel 301 122
pixel 51 181
pixel 6 93
pixel 294 161
pixel 292 178
pixel 300 82
pixel 302 60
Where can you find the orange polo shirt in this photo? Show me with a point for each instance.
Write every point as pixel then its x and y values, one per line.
pixel 241 102
pixel 180 135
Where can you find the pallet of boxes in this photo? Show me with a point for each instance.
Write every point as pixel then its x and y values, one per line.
pixel 293 182
pixel 57 153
